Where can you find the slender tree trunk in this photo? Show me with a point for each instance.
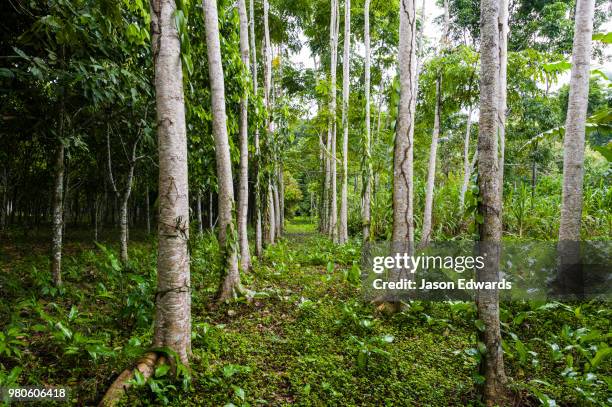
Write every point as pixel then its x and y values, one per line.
pixel 431 172
pixel 243 190
pixel 277 210
pixel 325 147
pixel 343 225
pixel 466 162
pixel 96 211
pixel 258 192
pixel 199 214
pixel 148 212
pixel 210 211
pixel 323 188
pixel 419 51
pixel 230 286
pixel 269 125
pixel 503 62
pixel 490 230
pixel 123 198
pixel 123 230
pixel 173 298
pixel 333 210
pixel 367 162
pixel 433 150
pixel 570 269
pixel 281 196
pixel 403 186
pixel 4 203
pixel 271 215
pixel 58 211
pixel 573 142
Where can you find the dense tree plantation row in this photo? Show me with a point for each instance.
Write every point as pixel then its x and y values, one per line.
pixel 188 191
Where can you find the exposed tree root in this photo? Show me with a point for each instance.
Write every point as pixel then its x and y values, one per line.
pixel 145 365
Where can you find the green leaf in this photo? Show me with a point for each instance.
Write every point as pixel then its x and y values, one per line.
pixel 606 38
pixel 162 370
pixel 239 392
pixel 139 377
pixel 606 151
pixel 600 356
pixel 73 313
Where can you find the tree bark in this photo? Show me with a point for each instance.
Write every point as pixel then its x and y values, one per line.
pixel 58 212
pixel 333 210
pixel 343 225
pixel 433 150
pixel 148 212
pixel 211 225
pixel 199 213
pixel 258 194
pixel 277 209
pixel 403 186
pixel 243 190
pixel 419 51
pixel 573 142
pixel 466 162
pixel 503 62
pixel 173 297
pixel 123 197
pixel 271 215
pixel 230 286
pixel 366 216
pixel 281 196
pixel 269 125
pixel 431 172
pixel 490 230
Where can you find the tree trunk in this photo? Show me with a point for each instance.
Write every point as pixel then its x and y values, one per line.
pixel 323 187
pixel 230 286
pixel 4 202
pixel 490 230
pixel 419 51
pixel 367 164
pixel 58 212
pixel 96 211
pixel 173 298
pixel 277 210
pixel 433 150
pixel 243 189
pixel 269 125
pixel 123 197
pixel 148 212
pixel 573 142
pixel 570 268
pixel 199 214
pixel 431 172
pixel 403 193
pixel 271 215
pixel 123 230
pixel 281 196
pixel 258 194
pixel 333 210
pixel 466 162
pixel 343 225
pixel 503 62
pixel 326 148
pixel 210 211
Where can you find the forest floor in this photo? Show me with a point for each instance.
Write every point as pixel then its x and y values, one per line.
pixel 303 336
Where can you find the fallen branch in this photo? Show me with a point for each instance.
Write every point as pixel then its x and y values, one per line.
pixel 145 365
